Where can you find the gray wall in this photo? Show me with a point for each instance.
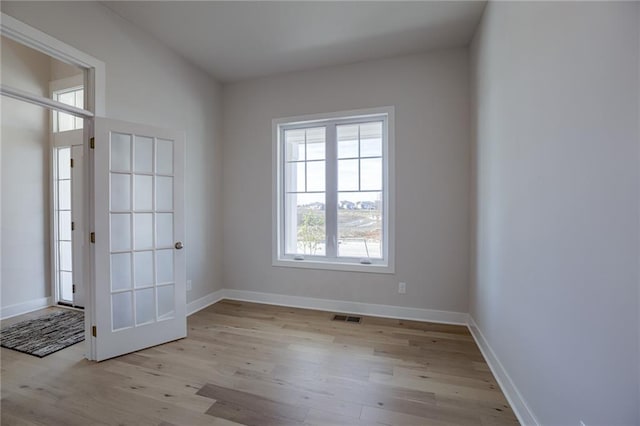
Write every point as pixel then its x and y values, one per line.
pixel 431 98
pixel 554 285
pixel 25 262
pixel 150 84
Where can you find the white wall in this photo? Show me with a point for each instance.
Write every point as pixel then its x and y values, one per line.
pixel 148 83
pixel 431 98
pixel 555 277
pixel 24 152
pixel 60 70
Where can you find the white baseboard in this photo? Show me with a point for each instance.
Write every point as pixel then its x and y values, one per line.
pixel 387 311
pixel 517 402
pixel 25 307
pixel 203 302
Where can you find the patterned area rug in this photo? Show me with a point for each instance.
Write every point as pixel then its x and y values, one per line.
pixel 45 335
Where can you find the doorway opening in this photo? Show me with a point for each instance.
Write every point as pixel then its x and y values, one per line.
pixel 129 198
pixel 69 86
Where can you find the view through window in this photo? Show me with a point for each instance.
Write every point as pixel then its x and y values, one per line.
pixel 63 244
pixel 333 189
pixel 63 122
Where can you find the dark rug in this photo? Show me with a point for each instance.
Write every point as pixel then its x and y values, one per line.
pixel 44 335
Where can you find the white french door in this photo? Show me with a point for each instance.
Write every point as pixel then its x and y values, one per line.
pixel 139 263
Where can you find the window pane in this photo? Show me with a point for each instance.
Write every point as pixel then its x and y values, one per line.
pixel 120 271
pixel 164 266
pixel 347 141
pixel 164 231
pixel 371 139
pixel 164 193
pixel 79 122
pixel 65 255
pixel 315 176
pixel 143 154
pixel 64 225
pixel 64 163
pixel 121 310
pixel 68 98
pixel 348 175
pixel 316 143
pixel 120 232
pixel 66 286
pixel 371 174
pixel 79 101
pixel 144 192
pixel 143 267
pixel 294 143
pixel 164 156
pixel 166 296
pixel 355 149
pixel 360 224
pixel 64 195
pixel 305 224
pixel 145 306
pixel 294 177
pixel 120 152
pixel 120 192
pixel 65 122
pixel 143 231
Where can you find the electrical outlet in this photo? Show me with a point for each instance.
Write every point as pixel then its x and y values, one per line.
pixel 189 286
pixel 402 288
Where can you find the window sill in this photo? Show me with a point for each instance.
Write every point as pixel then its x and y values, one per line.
pixel 334 266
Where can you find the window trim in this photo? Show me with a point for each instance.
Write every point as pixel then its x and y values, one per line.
pixel 385 265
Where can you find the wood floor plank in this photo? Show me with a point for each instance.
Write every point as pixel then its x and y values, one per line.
pixel 394 418
pixel 323 418
pixel 251 364
pixel 268 407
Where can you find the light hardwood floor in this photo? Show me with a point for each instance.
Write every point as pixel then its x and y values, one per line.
pixel 253 364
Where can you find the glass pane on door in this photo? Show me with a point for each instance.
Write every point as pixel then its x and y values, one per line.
pixel 142 230
pixel 62 224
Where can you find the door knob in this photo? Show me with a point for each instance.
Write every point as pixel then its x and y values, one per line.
pixel 179 245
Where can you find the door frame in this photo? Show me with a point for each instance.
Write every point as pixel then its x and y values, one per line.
pixel 95 91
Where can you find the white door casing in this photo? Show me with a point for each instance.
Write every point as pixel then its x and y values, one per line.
pixel 139 265
pixel 79 244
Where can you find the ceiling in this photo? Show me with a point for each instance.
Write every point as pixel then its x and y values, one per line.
pixel 240 40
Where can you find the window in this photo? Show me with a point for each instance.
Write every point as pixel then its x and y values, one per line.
pixel 63 122
pixel 62 224
pixel 333 205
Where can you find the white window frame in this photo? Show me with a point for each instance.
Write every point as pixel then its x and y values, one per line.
pixel 279 258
